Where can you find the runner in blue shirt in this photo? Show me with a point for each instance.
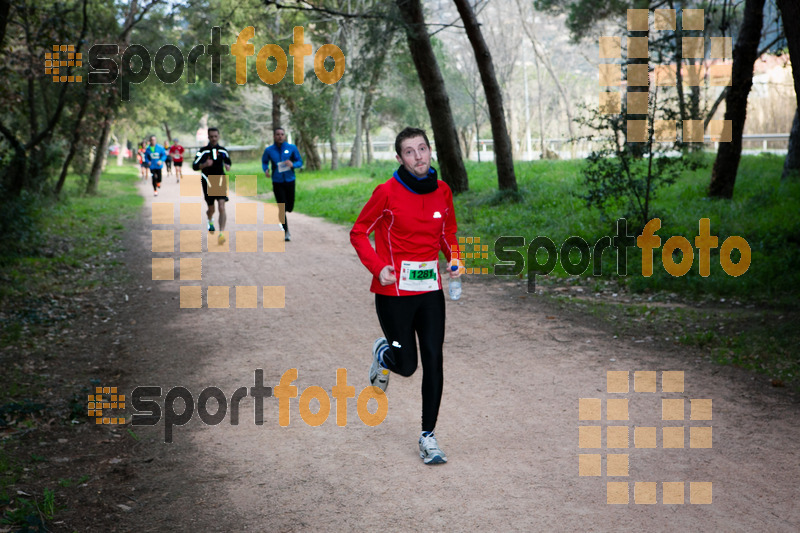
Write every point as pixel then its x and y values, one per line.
pixel 283 158
pixel 155 155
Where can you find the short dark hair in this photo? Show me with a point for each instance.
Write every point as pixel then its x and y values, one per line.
pixel 275 130
pixel 213 129
pixel 408 133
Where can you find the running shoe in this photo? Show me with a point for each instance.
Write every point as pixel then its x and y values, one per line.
pixel 429 450
pixel 155 192
pixel 287 237
pixel 378 376
pixel 210 226
pixel 221 239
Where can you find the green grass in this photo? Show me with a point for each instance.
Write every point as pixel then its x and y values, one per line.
pixel 73 249
pixel 764 211
pixel 60 251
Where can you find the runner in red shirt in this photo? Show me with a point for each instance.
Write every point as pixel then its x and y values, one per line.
pixel 413 219
pixel 142 161
pixel 176 153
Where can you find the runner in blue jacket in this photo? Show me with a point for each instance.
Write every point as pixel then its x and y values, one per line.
pixel 283 158
pixel 155 155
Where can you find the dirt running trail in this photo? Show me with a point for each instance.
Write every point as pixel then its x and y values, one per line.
pixel 509 420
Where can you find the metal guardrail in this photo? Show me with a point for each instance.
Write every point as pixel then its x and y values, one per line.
pixel 563 147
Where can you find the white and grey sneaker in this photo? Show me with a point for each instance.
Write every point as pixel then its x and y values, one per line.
pixel 429 450
pixel 378 376
pixel 287 237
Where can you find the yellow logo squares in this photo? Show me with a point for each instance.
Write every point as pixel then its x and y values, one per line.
pixel 63 55
pixel 217 185
pixel 589 464
pixel 700 492
pixel 471 248
pixel 246 214
pixel 246 297
pixel 700 409
pixel 610 103
pixel 246 185
pixel 106 398
pixel 637 74
pixel 191 213
pixel 610 47
pixel 191 296
pixel 617 464
pixel 638 19
pixel 644 492
pixel 664 20
pixel 617 491
pixel 615 439
pixel 163 213
pixel 199 241
pixel 693 19
pixel 218 297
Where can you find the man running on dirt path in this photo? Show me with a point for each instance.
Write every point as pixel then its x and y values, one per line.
pixel 284 158
pixel 176 152
pixel 155 155
pixel 413 218
pixel 213 160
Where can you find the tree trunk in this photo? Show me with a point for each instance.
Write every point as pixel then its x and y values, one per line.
pixel 76 137
pixel 102 148
pixel 121 152
pixel 311 159
pixel 549 67
pixel 436 100
pixel 791 166
pixel 335 126
pixel 367 140
pixel 790 12
pixel 276 110
pixel 503 157
pixel 477 128
pixel 541 112
pixel 169 133
pixel 723 175
pixel 637 148
pixel 5 7
pixel 466 141
pixel 355 152
pixel 713 111
pixel 100 154
pixel 679 74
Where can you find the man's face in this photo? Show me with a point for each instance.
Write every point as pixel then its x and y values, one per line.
pixel 213 138
pixel 279 136
pixel 415 156
pixel 153 140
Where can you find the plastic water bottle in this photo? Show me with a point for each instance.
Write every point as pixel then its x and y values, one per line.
pixel 455 285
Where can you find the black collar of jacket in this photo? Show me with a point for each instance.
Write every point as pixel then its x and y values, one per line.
pixel 420 186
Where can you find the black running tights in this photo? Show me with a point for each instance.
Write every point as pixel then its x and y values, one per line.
pixel 400 318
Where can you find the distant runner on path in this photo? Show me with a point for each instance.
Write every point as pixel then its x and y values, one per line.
pixel 155 156
pixel 169 158
pixel 176 152
pixel 413 218
pixel 284 158
pixel 142 161
pixel 213 160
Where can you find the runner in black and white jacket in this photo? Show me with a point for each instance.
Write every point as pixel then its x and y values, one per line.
pixel 212 161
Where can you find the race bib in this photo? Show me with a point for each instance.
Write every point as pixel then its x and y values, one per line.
pixel 283 166
pixel 419 276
